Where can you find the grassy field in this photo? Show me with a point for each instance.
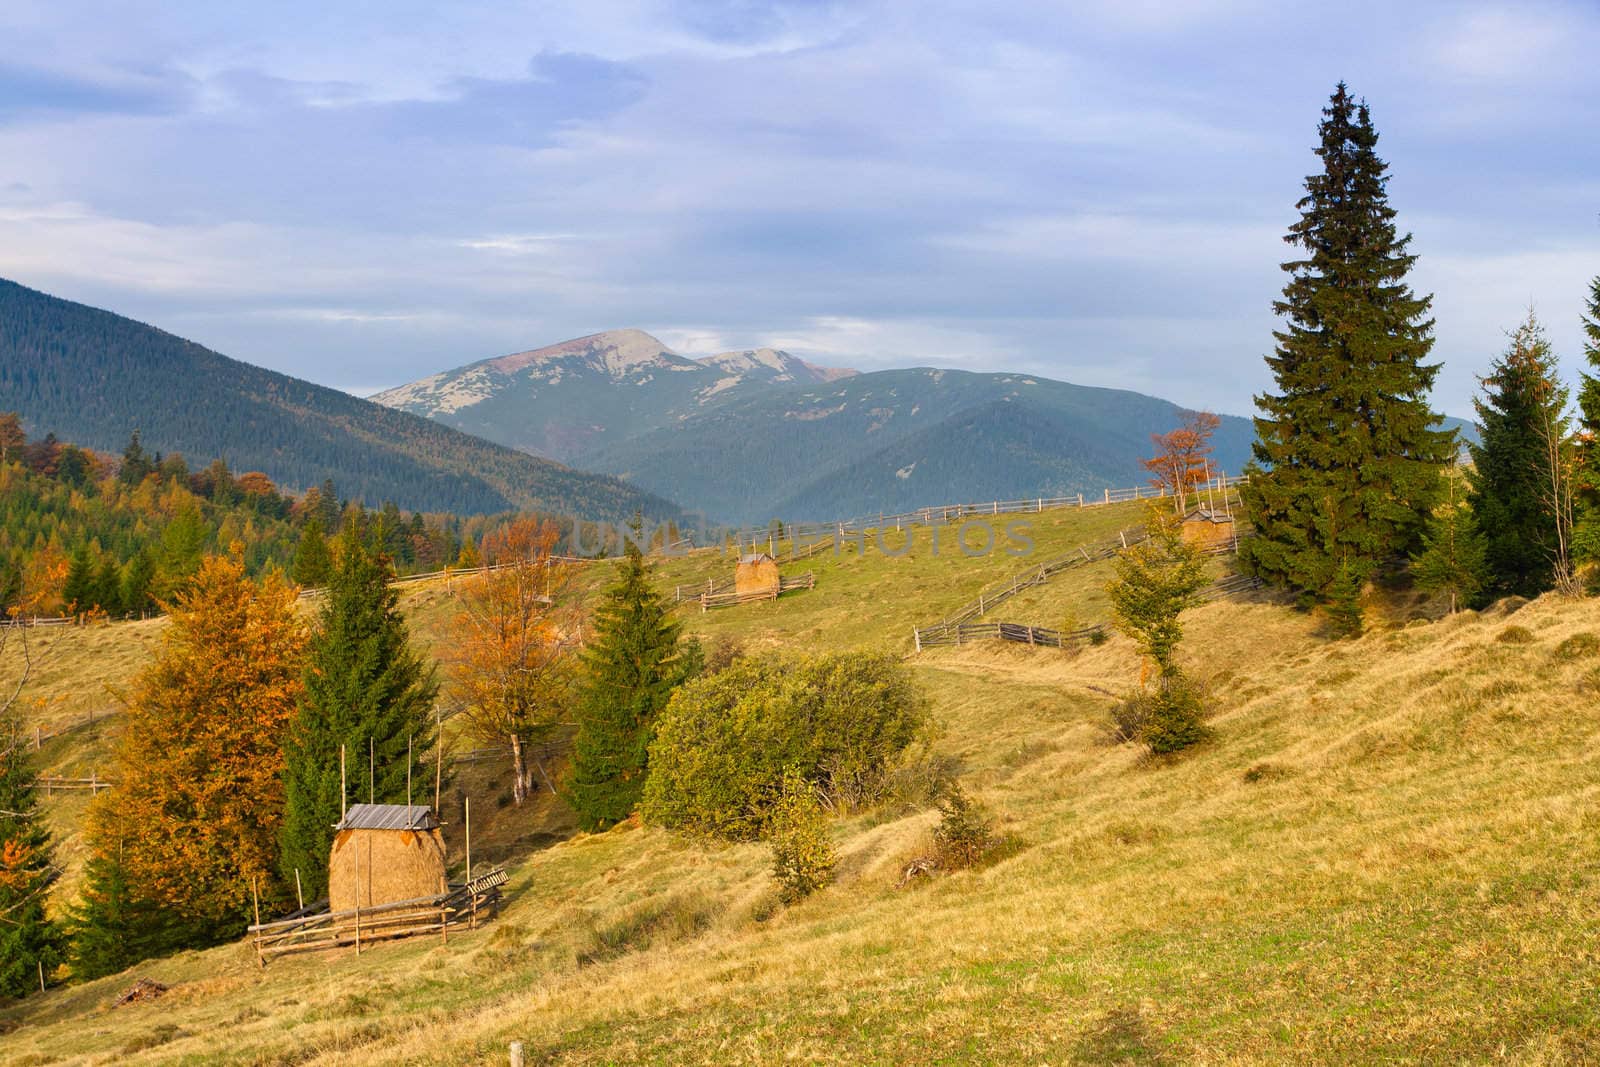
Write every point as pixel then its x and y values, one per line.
pixel 1387 852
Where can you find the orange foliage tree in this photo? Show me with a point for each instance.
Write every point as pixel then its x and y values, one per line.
pixel 195 814
pixel 510 660
pixel 1182 456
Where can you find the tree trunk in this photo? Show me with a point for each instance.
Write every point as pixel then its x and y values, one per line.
pixel 519 771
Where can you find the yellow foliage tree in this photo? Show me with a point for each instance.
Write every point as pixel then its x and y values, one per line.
pixel 195 814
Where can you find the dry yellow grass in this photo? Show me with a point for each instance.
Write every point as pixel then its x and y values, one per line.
pixel 1386 853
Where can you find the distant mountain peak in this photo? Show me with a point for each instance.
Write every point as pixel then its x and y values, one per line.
pixel 616 351
pixel 774 365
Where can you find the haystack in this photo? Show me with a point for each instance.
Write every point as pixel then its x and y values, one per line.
pixel 757 573
pixel 383 853
pixel 1208 527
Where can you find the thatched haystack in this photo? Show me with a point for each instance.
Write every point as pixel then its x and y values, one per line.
pixel 1206 527
pixel 757 573
pixel 383 853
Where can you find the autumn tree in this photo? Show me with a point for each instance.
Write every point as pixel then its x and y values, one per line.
pixel 1347 451
pixel 630 670
pixel 1157 580
pixel 12 438
pixel 200 766
pixel 512 650
pixel 1182 460
pixel 366 689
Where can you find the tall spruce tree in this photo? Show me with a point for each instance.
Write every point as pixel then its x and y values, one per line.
pixel 1347 458
pixel 313 563
pixel 1452 562
pixel 365 688
pixel 632 665
pixel 1522 407
pixel 1586 538
pixel 29 940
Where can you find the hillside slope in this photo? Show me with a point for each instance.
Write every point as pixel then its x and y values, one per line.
pixel 568 399
pixel 896 440
pixel 1386 853
pixel 93 377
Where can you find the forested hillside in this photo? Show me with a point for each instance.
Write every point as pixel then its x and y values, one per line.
pixel 92 377
pixel 895 440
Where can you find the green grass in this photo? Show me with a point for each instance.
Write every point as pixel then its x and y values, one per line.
pixel 1387 853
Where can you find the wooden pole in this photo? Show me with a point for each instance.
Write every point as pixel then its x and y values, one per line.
pixel 256 900
pixel 516 1054
pixel 342 791
pixel 467 803
pixel 438 755
pixel 299 894
pixel 372 770
pixel 41 974
pixel 355 857
pixel 409 739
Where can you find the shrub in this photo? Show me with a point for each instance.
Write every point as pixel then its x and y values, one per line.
pixel 802 853
pixel 1515 635
pixel 1578 646
pixel 965 834
pixel 723 744
pixel 1165 719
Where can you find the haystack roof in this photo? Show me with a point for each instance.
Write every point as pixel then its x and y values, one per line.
pixel 1207 515
pixel 754 557
pixel 388 817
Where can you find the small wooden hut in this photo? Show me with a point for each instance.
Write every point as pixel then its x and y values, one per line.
pixel 1208 527
pixel 757 573
pixel 383 853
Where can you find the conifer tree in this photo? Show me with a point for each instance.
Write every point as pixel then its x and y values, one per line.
pixel 313 563
pixel 1453 558
pixel 630 670
pixel 107 589
pixel 111 927
pixel 367 689
pixel 78 591
pixel 29 940
pixel 1347 456
pixel 199 798
pixel 1520 455
pixel 136 465
pixel 137 581
pixel 1586 481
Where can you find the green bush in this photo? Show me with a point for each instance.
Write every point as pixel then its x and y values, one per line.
pixel 1173 716
pixel 802 853
pixel 1580 645
pixel 1515 635
pixel 965 834
pixel 725 740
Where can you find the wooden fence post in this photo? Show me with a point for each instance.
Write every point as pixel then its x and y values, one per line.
pixel 916 636
pixel 516 1054
pixel 1108 496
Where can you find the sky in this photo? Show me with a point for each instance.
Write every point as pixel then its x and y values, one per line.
pixel 365 193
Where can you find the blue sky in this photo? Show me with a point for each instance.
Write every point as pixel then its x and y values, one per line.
pixel 1090 191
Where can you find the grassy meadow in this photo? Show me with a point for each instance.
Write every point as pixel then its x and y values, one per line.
pixel 1387 851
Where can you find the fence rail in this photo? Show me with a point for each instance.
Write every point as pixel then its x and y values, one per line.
pixel 51 783
pixel 964 633
pixel 725 600
pixel 945 513
pixel 460 905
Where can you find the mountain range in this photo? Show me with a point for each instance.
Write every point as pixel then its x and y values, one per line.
pixel 573 399
pixel 93 377
pixel 748 436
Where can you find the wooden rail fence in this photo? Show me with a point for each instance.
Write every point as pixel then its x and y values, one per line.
pixel 460 905
pixel 785 585
pixel 963 633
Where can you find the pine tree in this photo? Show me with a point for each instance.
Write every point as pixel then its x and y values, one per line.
pixel 107 588
pixel 1453 558
pixel 630 670
pixel 78 592
pixel 313 563
pixel 136 465
pixel 28 939
pixel 112 929
pixel 200 765
pixel 1347 457
pixel 367 689
pixel 1523 406
pixel 1586 538
pixel 137 581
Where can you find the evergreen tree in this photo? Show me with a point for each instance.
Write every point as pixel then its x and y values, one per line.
pixel 28 939
pixel 1586 537
pixel 78 592
pixel 1453 557
pixel 630 670
pixel 1522 406
pixel 107 590
pixel 136 465
pixel 365 689
pixel 137 581
pixel 313 564
pixel 112 929
pixel 1347 457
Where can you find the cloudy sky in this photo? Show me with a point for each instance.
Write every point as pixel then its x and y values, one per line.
pixel 362 193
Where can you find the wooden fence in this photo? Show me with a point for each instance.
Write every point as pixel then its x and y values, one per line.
pixel 460 905
pixel 946 513
pixel 52 783
pixel 966 632
pixel 726 600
